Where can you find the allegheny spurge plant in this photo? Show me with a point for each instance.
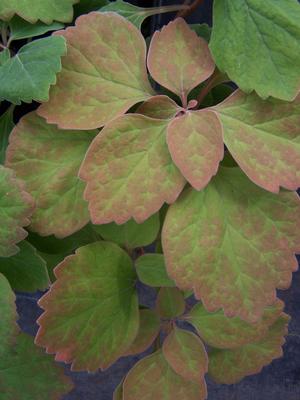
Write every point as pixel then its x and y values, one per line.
pixel 134 146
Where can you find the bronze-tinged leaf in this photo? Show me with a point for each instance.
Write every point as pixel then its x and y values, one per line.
pixel 160 107
pixel 170 302
pixel 264 138
pixel 230 366
pixel 195 142
pixel 103 74
pixel 186 354
pixel 178 59
pixel 118 392
pixel 153 378
pixel 129 171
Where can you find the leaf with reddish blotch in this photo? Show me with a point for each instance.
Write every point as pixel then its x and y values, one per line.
pixel 16 207
pixel 170 302
pixel 230 366
pixel 48 159
pixel 103 73
pixel 233 243
pixel 153 378
pixel 186 354
pixel 264 138
pixel 148 330
pixel 222 332
pixel 27 373
pixel 129 171
pixel 196 145
pixel 91 312
pixel 160 107
pixel 178 59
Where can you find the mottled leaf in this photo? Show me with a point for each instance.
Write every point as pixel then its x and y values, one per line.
pixel 170 302
pixel 6 126
pixel 103 74
pixel 160 107
pixel 202 30
pixel 48 160
pixel 135 178
pixel 233 244
pixel 151 270
pixel 91 312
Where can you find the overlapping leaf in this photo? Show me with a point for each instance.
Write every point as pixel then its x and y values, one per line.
pixel 151 270
pixel 6 126
pixel 160 107
pixel 170 302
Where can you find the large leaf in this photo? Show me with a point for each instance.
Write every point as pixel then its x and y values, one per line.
pixel 151 270
pixel 32 71
pixel 26 271
pixel 103 74
pixel 257 43
pixel 178 59
pixel 233 244
pixel 170 302
pixel 264 138
pixel 26 373
pixel 6 126
pixel 91 312
pixel 16 206
pixel 44 10
pixel 160 106
pixel 137 177
pixel 48 160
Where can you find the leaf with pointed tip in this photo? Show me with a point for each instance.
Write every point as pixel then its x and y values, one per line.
pixel 196 145
pixel 16 207
pixel 48 160
pixel 170 302
pixel 26 271
pixel 178 59
pixel 264 37
pixel 32 71
pixel 264 138
pixel 103 74
pixel 230 366
pixel 151 270
pixel 91 312
pixel 137 177
pixel 6 126
pixel 186 354
pixel 211 239
pixel 160 107
pixel 202 30
pixel 26 373
pixel 222 332
pixel 153 378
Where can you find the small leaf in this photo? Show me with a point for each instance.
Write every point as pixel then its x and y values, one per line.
pixel 170 302
pixel 160 107
pixel 230 366
pixel 151 270
pixel 186 354
pixel 103 74
pixel 91 312
pixel 26 271
pixel 16 206
pixel 202 30
pixel 178 59
pixel 48 160
pixel 137 177
pixel 6 126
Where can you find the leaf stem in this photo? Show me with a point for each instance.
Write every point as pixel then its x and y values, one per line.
pixel 216 78
pixel 4 34
pixel 191 8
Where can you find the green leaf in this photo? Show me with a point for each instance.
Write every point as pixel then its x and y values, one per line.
pixel 230 366
pixel 137 177
pixel 32 71
pixel 52 260
pixel 44 10
pixel 131 235
pixel 6 126
pixel 48 159
pixel 211 239
pixel 16 206
pixel 86 6
pixel 91 312
pixel 202 30
pixel 170 302
pixel 26 271
pixel 27 373
pixel 257 43
pixel 264 138
pixel 151 270
pixel 160 107
pixel 4 56
pixel 103 74
pixel 186 354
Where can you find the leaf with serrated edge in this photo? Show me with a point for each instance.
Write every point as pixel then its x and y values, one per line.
pixel 26 373
pixel 186 354
pixel 6 126
pixel 16 207
pixel 151 270
pixel 257 43
pixel 264 138
pixel 233 243
pixel 160 107
pixel 195 142
pixel 91 312
pixel 137 177
pixel 230 366
pixel 48 160
pixel 170 302
pixel 178 59
pixel 103 74
pixel 153 378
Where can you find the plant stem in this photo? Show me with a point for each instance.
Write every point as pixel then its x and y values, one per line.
pixel 4 34
pixel 216 78
pixel 190 9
